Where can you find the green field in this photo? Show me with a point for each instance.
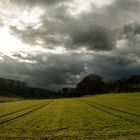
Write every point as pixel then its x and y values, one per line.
pixel 7 97
pixel 108 116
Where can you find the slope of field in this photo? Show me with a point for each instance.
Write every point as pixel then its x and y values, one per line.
pixel 8 97
pixel 108 116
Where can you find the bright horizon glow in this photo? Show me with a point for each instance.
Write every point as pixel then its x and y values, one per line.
pixel 9 43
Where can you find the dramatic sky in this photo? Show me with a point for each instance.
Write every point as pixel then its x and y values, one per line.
pixel 54 43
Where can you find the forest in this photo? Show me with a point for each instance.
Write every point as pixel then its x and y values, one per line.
pixel 89 85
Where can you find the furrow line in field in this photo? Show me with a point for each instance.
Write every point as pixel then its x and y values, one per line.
pixel 111 113
pixel 115 109
pixel 22 115
pixel 11 113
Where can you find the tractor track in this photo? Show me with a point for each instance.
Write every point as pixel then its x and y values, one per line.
pixel 115 109
pixel 11 113
pixel 22 115
pixel 109 112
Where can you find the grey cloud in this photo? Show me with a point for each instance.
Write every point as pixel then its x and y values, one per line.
pixel 67 69
pixel 111 67
pixel 93 37
pixel 132 29
pixel 1 22
pixel 60 28
pixel 117 14
pixel 71 35
pixel 29 35
pixel 38 2
pixel 99 31
pixel 57 71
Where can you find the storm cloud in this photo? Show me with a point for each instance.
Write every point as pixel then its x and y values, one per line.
pixel 38 2
pixel 66 42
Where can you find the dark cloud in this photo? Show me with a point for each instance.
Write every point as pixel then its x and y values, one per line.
pixel 111 67
pixel 57 71
pixel 67 69
pixel 110 36
pixel 132 29
pixel 95 30
pixel 93 37
pixel 29 35
pixel 117 14
pixel 38 2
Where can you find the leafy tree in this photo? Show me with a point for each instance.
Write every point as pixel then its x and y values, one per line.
pixel 91 84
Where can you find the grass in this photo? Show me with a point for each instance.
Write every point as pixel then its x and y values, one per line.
pixel 108 116
pixel 8 97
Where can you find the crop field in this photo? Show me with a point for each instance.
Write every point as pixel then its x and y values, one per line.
pixel 107 116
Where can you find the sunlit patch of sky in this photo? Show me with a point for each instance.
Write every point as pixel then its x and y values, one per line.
pixel 81 6
pixel 10 45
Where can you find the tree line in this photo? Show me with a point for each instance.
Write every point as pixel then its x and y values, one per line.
pixel 22 89
pixel 94 84
pixel 90 84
